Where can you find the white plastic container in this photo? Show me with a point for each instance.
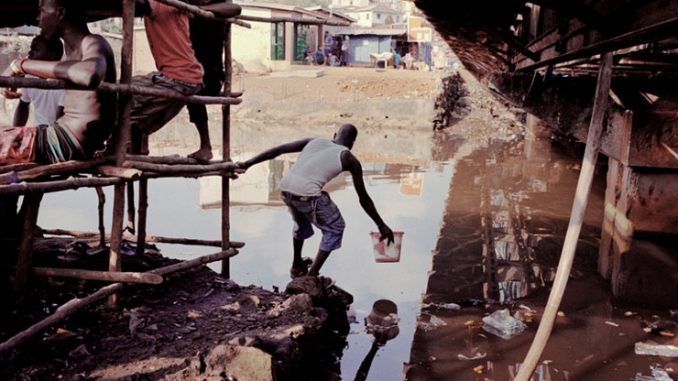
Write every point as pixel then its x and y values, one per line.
pixel 383 252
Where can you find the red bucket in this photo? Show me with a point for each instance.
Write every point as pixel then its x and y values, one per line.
pixel 384 252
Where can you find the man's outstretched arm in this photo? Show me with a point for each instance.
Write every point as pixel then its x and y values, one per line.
pixel 350 163
pixel 271 153
pixel 89 71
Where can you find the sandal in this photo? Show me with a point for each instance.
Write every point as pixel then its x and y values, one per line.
pixel 301 270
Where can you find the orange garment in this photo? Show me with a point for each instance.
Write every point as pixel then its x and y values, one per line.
pixel 17 145
pixel 168 36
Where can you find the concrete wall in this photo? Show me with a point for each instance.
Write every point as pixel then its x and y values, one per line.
pixel 252 47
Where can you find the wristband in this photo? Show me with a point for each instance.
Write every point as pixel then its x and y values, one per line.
pixel 16 68
pixel 21 65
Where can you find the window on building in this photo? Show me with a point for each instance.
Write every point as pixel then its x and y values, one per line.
pixel 378 16
pixel 367 16
pixel 278 41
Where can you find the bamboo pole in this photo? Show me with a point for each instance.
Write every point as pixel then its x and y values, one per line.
pixel 76 304
pixel 63 312
pixel 123 137
pixel 196 262
pixel 123 173
pixel 171 94
pixel 581 199
pixel 131 210
pixel 105 276
pixel 143 216
pixel 122 88
pixel 17 167
pixel 226 152
pixel 23 265
pixel 296 20
pixel 149 238
pixel 170 159
pixel 179 168
pixel 102 229
pixel 58 185
pixel 49 170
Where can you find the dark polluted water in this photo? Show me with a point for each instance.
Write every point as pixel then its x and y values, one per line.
pixel 483 225
pixel 410 196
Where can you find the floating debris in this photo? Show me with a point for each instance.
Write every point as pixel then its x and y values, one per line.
pixel 654 349
pixel 500 323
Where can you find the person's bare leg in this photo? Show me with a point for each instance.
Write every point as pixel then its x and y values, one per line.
pixel 205 151
pixel 320 259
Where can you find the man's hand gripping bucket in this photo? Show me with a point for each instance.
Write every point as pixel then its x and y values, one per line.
pixel 384 252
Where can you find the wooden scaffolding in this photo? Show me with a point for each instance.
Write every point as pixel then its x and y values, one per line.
pixel 120 170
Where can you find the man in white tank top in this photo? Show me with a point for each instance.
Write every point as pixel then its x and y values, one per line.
pixel 320 161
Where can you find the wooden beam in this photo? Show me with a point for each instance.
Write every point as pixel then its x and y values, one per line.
pixel 225 166
pixel 58 185
pixel 122 88
pixel 105 276
pixel 226 152
pixel 619 42
pixel 66 167
pixel 581 12
pixel 149 238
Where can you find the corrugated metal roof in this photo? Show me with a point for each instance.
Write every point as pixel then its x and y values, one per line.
pixel 376 31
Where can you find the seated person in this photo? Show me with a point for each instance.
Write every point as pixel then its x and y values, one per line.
pixel 88 116
pixel 48 104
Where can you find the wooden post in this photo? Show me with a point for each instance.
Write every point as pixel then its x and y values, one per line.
pixel 102 228
pixel 23 265
pixel 581 198
pixel 124 109
pixel 143 215
pixel 226 153
pixel 131 210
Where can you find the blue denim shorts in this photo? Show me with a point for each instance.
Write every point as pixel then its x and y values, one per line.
pixel 319 211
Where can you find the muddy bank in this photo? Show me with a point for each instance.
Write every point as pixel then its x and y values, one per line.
pixel 195 324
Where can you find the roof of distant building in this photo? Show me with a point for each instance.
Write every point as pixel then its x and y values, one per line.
pixel 393 30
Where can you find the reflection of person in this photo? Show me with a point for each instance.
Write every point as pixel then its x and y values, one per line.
pixel 88 116
pixel 167 30
pixel 302 191
pixel 48 105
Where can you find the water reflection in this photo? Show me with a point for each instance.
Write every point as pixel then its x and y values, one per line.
pixel 410 195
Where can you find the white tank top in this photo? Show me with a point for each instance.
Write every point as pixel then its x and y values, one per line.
pixel 318 163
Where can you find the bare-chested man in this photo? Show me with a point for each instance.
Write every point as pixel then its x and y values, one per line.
pixel 89 116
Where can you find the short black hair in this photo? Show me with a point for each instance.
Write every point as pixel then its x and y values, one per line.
pixel 75 9
pixel 54 48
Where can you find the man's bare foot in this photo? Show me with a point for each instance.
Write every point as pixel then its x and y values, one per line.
pixel 202 155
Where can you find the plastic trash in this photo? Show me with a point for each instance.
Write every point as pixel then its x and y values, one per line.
pixel 476 356
pixel 500 323
pixel 658 374
pixel 654 349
